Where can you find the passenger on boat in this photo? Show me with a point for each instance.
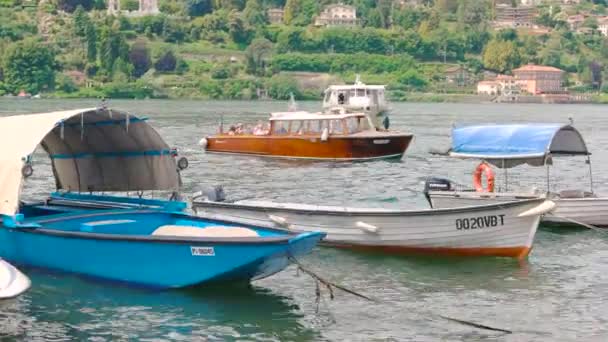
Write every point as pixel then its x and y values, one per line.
pixel 232 130
pixel 258 129
pixel 239 129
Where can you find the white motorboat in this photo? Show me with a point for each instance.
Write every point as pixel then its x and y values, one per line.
pixel 12 281
pixel 505 229
pixel 359 97
pixel 508 146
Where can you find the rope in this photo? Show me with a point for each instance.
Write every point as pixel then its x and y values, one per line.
pixel 586 225
pixel 330 285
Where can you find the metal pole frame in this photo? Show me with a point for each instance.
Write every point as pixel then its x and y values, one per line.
pixel 590 173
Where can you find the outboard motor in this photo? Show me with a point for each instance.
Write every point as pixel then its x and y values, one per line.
pixel 436 184
pixel 212 194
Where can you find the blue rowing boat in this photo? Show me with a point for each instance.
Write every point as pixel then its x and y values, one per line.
pixel 86 228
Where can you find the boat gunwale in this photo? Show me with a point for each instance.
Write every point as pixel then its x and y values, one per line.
pixel 285 238
pixel 268 155
pixel 388 212
pixel 516 196
pixel 359 135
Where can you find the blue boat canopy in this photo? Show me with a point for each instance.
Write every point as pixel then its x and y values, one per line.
pixel 93 149
pixel 514 144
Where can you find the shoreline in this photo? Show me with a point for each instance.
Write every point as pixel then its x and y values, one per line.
pixel 410 97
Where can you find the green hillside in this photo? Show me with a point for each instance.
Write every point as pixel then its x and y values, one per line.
pixel 228 49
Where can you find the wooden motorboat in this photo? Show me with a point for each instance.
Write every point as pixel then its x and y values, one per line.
pixel 323 136
pixel 504 230
pixel 511 145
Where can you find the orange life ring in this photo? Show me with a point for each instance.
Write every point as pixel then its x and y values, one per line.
pixel 487 170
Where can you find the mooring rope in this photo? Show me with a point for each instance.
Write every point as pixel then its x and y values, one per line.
pixel 586 225
pixel 330 285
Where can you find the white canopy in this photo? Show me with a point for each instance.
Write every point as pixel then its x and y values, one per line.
pixel 303 116
pixel 91 150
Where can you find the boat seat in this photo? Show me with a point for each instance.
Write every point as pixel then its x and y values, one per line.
pixel 211 231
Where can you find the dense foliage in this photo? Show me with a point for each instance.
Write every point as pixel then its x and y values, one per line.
pixel 229 49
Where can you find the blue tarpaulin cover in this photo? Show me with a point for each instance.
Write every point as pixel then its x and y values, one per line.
pixel 516 143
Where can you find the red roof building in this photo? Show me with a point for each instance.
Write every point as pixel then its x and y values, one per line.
pixel 539 79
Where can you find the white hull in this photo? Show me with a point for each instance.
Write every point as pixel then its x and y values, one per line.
pixel 593 211
pixel 12 282
pixel 504 230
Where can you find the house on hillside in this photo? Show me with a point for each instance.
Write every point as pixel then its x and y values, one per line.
pixel 539 79
pixel 575 21
pixel 146 7
pixel 457 75
pixel 530 2
pixel 602 26
pixel 337 15
pixel 514 17
pixel 487 88
pixel 275 15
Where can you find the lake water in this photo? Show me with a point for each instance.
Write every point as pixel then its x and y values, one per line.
pixel 559 294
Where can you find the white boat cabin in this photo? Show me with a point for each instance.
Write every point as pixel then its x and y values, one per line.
pixel 361 97
pixel 357 97
pixel 305 123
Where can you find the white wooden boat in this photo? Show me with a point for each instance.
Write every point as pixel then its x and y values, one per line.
pixel 507 146
pixel 505 229
pixel 12 281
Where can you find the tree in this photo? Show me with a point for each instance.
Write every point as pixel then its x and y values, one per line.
pixel 413 79
pixel 112 46
pixel 140 58
pixel 253 13
pixel 291 10
pixel 257 54
pixel 472 12
pixel 91 38
pixel 500 56
pixel 196 8
pixel 71 5
pixel 231 4
pixel 280 87
pixel 81 21
pixel 29 65
pixel 166 62
pixel 374 18
pixel 237 29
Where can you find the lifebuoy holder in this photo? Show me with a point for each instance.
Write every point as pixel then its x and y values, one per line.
pixel 483 168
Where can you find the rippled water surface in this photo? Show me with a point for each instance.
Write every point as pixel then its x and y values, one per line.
pixel 559 294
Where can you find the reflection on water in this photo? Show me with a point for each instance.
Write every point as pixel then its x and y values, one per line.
pixel 559 294
pixel 68 307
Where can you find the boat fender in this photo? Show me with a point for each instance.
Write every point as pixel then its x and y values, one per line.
pixel 366 227
pixel 203 143
pixel 540 209
pixel 325 134
pixel 279 220
pixel 12 281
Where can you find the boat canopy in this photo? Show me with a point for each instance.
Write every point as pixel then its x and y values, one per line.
pixel 90 149
pixel 510 145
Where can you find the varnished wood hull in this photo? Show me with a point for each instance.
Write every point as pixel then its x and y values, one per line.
pixel 335 148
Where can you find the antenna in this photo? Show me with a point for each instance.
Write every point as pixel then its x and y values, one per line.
pixel 292 106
